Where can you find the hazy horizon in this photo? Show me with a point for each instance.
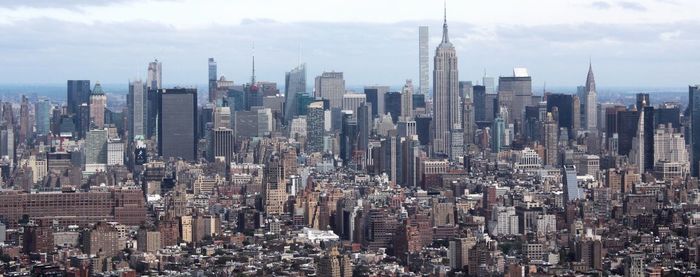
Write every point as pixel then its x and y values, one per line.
pixel 629 43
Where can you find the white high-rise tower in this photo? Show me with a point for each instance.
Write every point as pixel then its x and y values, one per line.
pixel 591 101
pixel 423 60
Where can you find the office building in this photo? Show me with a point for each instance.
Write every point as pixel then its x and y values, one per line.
pixel 392 105
pixel 694 109
pixel 519 89
pixel 489 85
pixel 98 104
pixel 126 206
pixel 137 102
pixel 551 138
pixel 423 60
pixel 212 80
pixel 222 117
pixel 407 101
pixel 352 101
pixel 331 86
pixel 42 116
pixel 78 93
pixel 446 103
pixel 315 119
pixel 96 151
pixel 498 135
pixel 294 83
pixel 177 123
pixel 564 113
pixel 154 80
pixel 375 96
pixel 571 189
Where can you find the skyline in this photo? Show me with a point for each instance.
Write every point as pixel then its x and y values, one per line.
pixel 636 47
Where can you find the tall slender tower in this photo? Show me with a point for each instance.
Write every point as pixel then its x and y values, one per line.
pixel 694 109
pixel 407 101
pixel 591 101
pixel 445 94
pixel 155 75
pixel 98 104
pixel 423 60
pixel 212 80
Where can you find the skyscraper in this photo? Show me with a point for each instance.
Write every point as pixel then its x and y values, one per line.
pixel 25 127
pixel 331 86
pixel 96 150
pixel 98 103
pixel 550 142
pixel 519 89
pixel 314 128
pixel 177 123
pixel 137 102
pixel 222 143
pixel 445 94
pixel 78 93
pixel 423 58
pixel 294 82
pixel 42 115
pixel 694 108
pixel 571 189
pixel 407 101
pixel 212 79
pixel 154 80
pixel 590 102
pixel 488 84
pixel 375 97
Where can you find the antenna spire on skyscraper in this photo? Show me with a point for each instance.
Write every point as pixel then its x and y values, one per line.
pixel 445 38
pixel 252 79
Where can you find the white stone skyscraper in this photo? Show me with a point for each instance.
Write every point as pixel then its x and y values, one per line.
pixel 446 104
pixel 331 86
pixel 155 75
pixel 423 60
pixel 407 101
pixel 591 100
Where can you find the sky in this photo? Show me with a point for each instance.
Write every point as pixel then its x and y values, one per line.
pixel 642 43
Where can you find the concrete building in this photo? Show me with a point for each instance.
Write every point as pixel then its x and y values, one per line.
pixel 331 86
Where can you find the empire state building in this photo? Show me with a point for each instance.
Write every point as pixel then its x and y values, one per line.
pixel 447 121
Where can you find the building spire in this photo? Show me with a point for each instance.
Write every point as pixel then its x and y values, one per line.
pixel 445 38
pixel 252 78
pixel 590 79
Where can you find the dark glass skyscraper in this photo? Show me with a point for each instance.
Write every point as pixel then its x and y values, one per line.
pixel 479 103
pixel 694 108
pixel 565 114
pixel 392 105
pixel 212 79
pixel 177 123
pixel 78 93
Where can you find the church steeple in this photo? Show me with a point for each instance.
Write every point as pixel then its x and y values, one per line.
pixel 445 38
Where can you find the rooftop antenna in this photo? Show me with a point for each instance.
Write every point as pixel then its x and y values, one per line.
pixel 444 5
pixel 544 88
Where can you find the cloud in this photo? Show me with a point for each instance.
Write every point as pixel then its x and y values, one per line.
pixel 51 51
pixel 633 6
pixel 601 5
pixel 66 4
